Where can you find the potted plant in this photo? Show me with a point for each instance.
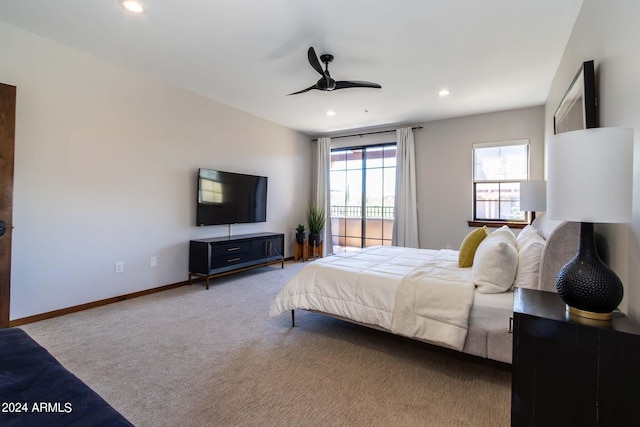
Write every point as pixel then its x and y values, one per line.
pixel 300 234
pixel 315 219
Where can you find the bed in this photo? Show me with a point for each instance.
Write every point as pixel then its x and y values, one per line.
pixel 36 390
pixel 425 295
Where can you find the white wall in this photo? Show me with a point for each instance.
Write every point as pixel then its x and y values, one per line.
pixel 608 33
pixel 105 171
pixel 444 167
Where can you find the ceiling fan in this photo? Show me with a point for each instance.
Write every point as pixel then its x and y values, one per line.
pixel 326 83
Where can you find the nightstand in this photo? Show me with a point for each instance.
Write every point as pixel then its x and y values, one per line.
pixel 572 371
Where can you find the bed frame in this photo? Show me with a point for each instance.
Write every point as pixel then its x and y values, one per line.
pixel 495 343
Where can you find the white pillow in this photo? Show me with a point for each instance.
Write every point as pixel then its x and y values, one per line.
pixel 529 245
pixel 506 232
pixel 495 263
pixel 527 233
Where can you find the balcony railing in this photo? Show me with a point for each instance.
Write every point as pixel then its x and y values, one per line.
pixel 372 212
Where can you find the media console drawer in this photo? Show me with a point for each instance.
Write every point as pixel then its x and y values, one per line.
pixel 220 256
pixel 232 248
pixel 230 259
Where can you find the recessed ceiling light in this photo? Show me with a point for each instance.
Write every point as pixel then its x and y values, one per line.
pixel 132 6
pixel 444 92
pixel 331 113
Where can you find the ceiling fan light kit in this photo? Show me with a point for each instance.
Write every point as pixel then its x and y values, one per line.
pixel 326 83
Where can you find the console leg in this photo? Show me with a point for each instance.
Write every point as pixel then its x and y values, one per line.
pixel 207 280
pixel 189 279
pixel 293 319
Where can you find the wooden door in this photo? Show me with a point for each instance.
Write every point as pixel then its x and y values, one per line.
pixel 7 136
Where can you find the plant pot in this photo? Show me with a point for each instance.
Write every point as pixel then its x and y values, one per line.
pixel 300 238
pixel 314 239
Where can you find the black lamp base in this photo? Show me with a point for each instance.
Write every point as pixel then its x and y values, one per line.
pixel 587 286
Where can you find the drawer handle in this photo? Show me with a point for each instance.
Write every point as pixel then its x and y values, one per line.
pixel 233 260
pixel 510 325
pixel 232 249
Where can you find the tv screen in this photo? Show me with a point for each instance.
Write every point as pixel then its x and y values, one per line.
pixel 230 198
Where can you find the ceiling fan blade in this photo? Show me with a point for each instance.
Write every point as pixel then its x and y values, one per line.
pixel 347 84
pixel 314 61
pixel 304 90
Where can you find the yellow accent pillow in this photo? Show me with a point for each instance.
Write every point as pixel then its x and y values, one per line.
pixel 469 246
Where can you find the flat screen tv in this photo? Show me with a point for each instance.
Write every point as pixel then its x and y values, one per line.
pixel 230 198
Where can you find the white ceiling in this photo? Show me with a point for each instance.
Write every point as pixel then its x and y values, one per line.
pixel 492 54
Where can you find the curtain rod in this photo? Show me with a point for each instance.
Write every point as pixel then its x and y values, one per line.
pixel 366 133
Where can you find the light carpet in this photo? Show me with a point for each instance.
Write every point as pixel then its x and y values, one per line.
pixel 195 357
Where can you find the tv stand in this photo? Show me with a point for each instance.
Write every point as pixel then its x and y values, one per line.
pixel 220 256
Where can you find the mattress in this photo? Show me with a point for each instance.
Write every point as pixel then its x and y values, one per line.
pixel 491 311
pixel 364 287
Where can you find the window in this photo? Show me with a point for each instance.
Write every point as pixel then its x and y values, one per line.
pixel 498 169
pixel 363 181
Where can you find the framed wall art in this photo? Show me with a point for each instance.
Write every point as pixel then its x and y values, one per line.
pixel 578 108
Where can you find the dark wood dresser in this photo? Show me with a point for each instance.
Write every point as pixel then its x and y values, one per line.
pixel 220 256
pixel 571 371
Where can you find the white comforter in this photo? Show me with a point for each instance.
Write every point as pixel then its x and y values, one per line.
pixel 419 293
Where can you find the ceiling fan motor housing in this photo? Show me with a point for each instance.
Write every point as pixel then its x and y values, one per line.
pixel 326 83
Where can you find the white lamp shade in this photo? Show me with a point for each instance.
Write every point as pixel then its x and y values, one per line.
pixel 533 196
pixel 590 175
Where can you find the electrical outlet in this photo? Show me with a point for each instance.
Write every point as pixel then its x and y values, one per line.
pixel 119 267
pixel 153 261
pixel 448 247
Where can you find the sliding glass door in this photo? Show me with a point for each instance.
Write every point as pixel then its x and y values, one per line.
pixel 363 181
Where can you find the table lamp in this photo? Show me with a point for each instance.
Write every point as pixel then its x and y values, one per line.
pixel 533 197
pixel 590 180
